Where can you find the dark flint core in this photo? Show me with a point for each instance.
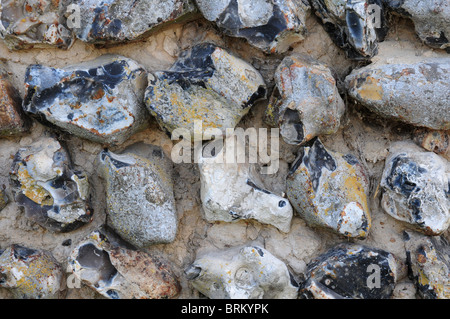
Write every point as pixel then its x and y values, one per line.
pixel 22 253
pixel 117 164
pixel 91 257
pixel 292 117
pixel 254 186
pixel 317 159
pixel 399 178
pixel 193 67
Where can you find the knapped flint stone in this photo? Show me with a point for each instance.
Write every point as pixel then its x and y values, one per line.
pixel 431 20
pixel 270 25
pixel 12 118
pixel 99 100
pixel 119 21
pixel 305 102
pixel 234 191
pixel 428 260
pixel 139 194
pixel 392 91
pixel 207 84
pixel 433 141
pixel 52 193
pixel 329 190
pixel 351 271
pixel 30 273
pixel 355 26
pixel 416 188
pixel 27 24
pixel 116 270
pixel 248 272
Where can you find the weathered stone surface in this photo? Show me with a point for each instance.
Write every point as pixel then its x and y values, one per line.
pixel 271 26
pixel 433 141
pixel 3 199
pixel 392 91
pixel 139 194
pixel 113 268
pixel 431 20
pixel 12 118
pixel 207 84
pixel 329 190
pixel 248 272
pixel 118 21
pixel 355 26
pixel 30 273
pixel 27 24
pixel 415 186
pixel 52 193
pixel 351 271
pixel 100 100
pixel 234 191
pixel 429 264
pixel 305 102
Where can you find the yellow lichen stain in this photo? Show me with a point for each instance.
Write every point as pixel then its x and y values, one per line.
pixel 370 90
pixel 31 189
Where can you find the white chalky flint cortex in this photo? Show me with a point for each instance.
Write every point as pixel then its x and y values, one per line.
pixel 248 272
pixel 30 273
pixel 329 190
pixel 271 26
pixel 233 191
pixel 415 186
pixel 306 102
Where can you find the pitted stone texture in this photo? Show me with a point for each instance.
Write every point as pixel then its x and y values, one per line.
pixel 234 191
pixel 351 271
pixel 120 21
pixel 417 93
pixel 139 194
pixel 206 84
pixel 429 261
pixel 3 199
pixel 416 187
pixel 113 268
pixel 248 272
pixel 270 25
pixel 305 102
pixel 99 100
pixel 329 190
pixel 27 24
pixel 30 273
pixel 355 26
pixel 12 118
pixel 431 20
pixel 52 193
pixel 433 141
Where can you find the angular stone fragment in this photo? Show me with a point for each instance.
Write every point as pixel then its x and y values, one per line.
pixel 429 264
pixel 234 191
pixel 416 188
pixel 118 21
pixel 206 84
pixel 139 194
pixel 305 102
pixel 30 273
pixel 356 26
pixel 270 25
pixel 52 193
pixel 26 24
pixel 329 190
pixel 431 20
pixel 351 271
pixel 12 119
pixel 417 93
pixel 434 141
pixel 113 268
pixel 100 100
pixel 248 272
